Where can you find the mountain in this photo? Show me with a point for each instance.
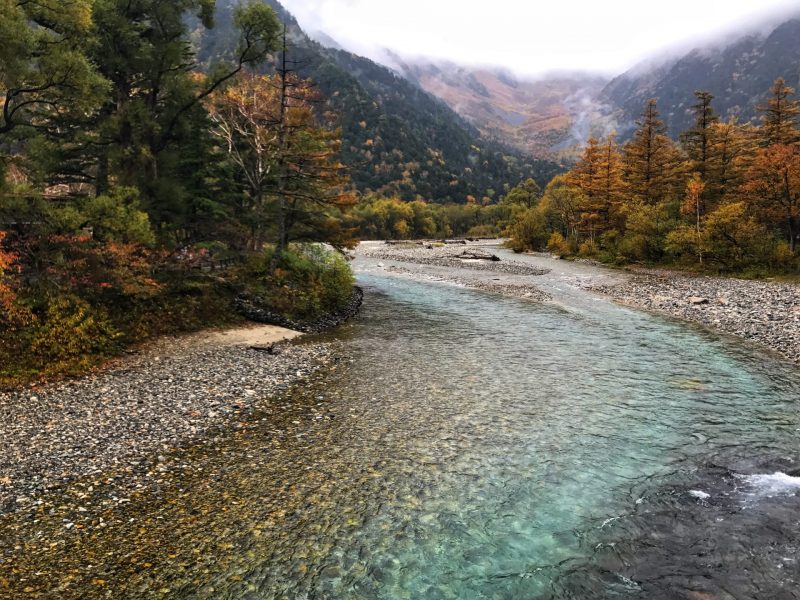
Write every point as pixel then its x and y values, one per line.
pixel 397 138
pixel 739 72
pixel 545 116
pixel 553 115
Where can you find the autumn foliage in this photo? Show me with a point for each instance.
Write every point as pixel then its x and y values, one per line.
pixel 727 196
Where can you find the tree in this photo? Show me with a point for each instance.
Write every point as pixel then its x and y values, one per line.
pixel 527 194
pixel 585 176
pixel 143 48
pixel 45 69
pixel 693 205
pixel 773 187
pixel 651 160
pixel 698 144
pixel 561 205
pixel 697 141
pixel 598 175
pixel 780 115
pixel 309 173
pixel 244 118
pixel 731 150
pixel 270 130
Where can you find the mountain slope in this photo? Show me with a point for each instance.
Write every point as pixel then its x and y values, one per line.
pixel 543 116
pixel 397 138
pixel 738 73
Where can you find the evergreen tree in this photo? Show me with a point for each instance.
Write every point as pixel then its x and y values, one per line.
pixel 143 48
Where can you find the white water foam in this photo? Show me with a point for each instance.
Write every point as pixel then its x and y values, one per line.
pixel 777 484
pixel 699 495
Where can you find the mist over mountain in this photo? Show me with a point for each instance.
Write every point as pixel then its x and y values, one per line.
pixel 738 72
pixel 552 115
pixel 545 116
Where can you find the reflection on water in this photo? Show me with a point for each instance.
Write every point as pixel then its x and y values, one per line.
pixel 477 447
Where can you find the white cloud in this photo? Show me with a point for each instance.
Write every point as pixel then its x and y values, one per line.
pixel 528 37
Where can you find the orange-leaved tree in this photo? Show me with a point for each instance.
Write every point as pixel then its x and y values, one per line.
pixel 772 185
pixel 11 313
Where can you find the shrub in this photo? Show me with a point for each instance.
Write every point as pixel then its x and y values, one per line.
pixel 558 245
pixel 306 282
pixel 588 248
pixel 71 334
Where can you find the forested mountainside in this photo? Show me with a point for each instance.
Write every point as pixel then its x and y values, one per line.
pixel 396 138
pixel 738 73
pixel 545 116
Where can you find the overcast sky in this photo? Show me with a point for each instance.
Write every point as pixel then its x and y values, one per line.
pixel 530 36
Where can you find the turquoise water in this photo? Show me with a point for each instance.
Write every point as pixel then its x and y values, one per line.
pixel 486 447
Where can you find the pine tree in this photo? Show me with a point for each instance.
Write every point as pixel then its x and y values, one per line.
pixel 697 142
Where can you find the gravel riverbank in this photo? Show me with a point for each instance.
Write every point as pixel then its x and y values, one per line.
pixel 124 418
pixel 449 265
pixel 766 313
pixel 449 256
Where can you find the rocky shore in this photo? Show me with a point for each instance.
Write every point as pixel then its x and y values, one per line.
pixel 763 312
pixel 124 419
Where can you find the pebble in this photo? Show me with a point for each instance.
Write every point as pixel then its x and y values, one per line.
pixel 445 257
pixel 136 412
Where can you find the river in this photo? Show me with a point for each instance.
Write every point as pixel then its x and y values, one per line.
pixel 474 446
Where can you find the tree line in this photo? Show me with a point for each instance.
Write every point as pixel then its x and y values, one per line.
pixel 725 196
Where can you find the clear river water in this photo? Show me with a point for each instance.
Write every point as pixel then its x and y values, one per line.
pixel 475 446
pixel 497 448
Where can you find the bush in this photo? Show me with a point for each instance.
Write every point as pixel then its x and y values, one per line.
pixel 305 282
pixel 558 245
pixel 71 334
pixel 588 249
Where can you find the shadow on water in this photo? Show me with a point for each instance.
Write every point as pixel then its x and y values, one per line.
pixel 474 446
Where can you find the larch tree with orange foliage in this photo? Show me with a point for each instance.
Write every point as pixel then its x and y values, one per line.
pixel 651 160
pixel 773 187
pixel 780 115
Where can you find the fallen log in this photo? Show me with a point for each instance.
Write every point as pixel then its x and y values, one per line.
pixel 468 255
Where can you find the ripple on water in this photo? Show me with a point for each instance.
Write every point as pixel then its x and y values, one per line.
pixel 483 447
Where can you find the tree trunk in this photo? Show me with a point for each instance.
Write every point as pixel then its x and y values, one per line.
pixel 283 217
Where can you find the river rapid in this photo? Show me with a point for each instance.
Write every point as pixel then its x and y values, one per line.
pixel 475 446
